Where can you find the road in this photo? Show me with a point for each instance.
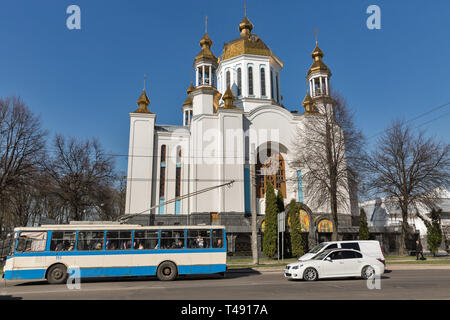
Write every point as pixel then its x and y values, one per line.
pixel 397 284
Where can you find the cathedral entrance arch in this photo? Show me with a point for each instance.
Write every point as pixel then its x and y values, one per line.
pixel 270 168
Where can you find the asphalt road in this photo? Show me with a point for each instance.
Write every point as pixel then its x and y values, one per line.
pixel 397 284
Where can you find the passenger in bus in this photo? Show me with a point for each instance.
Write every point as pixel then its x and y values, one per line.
pixel 60 246
pixel 178 244
pixel 200 242
pixel 141 246
pixel 71 247
pixel 219 243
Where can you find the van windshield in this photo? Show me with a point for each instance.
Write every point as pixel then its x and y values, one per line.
pixel 317 248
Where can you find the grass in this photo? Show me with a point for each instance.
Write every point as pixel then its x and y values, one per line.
pixel 414 261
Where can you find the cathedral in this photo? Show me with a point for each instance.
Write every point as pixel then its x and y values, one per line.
pixel 235 138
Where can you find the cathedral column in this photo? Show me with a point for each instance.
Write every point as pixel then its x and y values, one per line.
pixel 203 74
pixel 196 77
pixel 321 85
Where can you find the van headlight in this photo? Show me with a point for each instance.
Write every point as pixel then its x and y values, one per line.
pixel 296 267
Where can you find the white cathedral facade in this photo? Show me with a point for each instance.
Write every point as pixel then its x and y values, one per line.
pixel 232 119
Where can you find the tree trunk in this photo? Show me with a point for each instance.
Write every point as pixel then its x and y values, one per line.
pixel 402 247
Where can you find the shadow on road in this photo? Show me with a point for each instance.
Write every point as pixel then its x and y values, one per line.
pixel 9 297
pixel 236 273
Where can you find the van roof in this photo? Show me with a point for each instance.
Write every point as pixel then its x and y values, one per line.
pixel 348 241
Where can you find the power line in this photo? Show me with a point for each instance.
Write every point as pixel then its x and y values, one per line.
pixel 417 117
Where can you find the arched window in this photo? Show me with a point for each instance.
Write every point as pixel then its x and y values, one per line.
pixel 239 81
pixel 178 181
pixel 228 79
pixel 263 82
pixel 250 81
pixel 270 172
pixel 162 178
pixel 278 89
pixel 271 85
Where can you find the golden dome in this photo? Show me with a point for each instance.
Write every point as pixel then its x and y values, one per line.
pixel 188 101
pixel 245 27
pixel 308 103
pixel 318 64
pixel 206 52
pixel 190 89
pixel 143 102
pixel 228 99
pixel 247 43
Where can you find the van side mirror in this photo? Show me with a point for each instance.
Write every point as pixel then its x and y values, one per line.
pixel 328 259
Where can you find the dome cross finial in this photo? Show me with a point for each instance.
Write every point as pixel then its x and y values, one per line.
pixel 206 24
pixel 315 33
pixel 245 9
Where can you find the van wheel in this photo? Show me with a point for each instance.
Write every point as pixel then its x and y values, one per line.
pixel 57 274
pixel 310 274
pixel 167 271
pixel 368 272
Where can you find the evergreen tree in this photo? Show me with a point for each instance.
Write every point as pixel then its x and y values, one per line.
pixel 363 227
pixel 280 201
pixel 295 230
pixel 270 229
pixel 434 232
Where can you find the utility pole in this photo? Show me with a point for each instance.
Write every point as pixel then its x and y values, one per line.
pixel 252 161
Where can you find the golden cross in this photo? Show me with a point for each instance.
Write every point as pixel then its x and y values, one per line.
pixel 315 32
pixel 145 77
pixel 245 9
pixel 206 24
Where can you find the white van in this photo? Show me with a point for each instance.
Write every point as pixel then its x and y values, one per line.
pixel 370 248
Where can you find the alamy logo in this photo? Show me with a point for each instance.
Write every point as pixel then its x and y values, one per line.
pixel 374 20
pixel 374 280
pixel 74 20
pixel 73 280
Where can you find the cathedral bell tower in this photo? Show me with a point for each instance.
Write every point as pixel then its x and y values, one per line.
pixel 319 74
pixel 205 64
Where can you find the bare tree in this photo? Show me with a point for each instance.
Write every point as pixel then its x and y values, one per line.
pixel 328 151
pixel 21 151
pixel 408 169
pixel 79 174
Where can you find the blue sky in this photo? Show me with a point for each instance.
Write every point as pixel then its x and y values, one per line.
pixel 85 82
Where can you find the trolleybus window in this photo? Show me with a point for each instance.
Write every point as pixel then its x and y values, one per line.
pixel 172 239
pixel 90 240
pixel 32 241
pixel 63 241
pixel 217 238
pixel 198 239
pixel 146 239
pixel 118 240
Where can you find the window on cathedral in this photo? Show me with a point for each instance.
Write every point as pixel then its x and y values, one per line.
pixel 271 84
pixel 163 153
pixel 239 81
pixel 162 172
pixel 270 171
pixel 263 82
pixel 278 88
pixel 178 174
pixel 228 80
pixel 250 81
